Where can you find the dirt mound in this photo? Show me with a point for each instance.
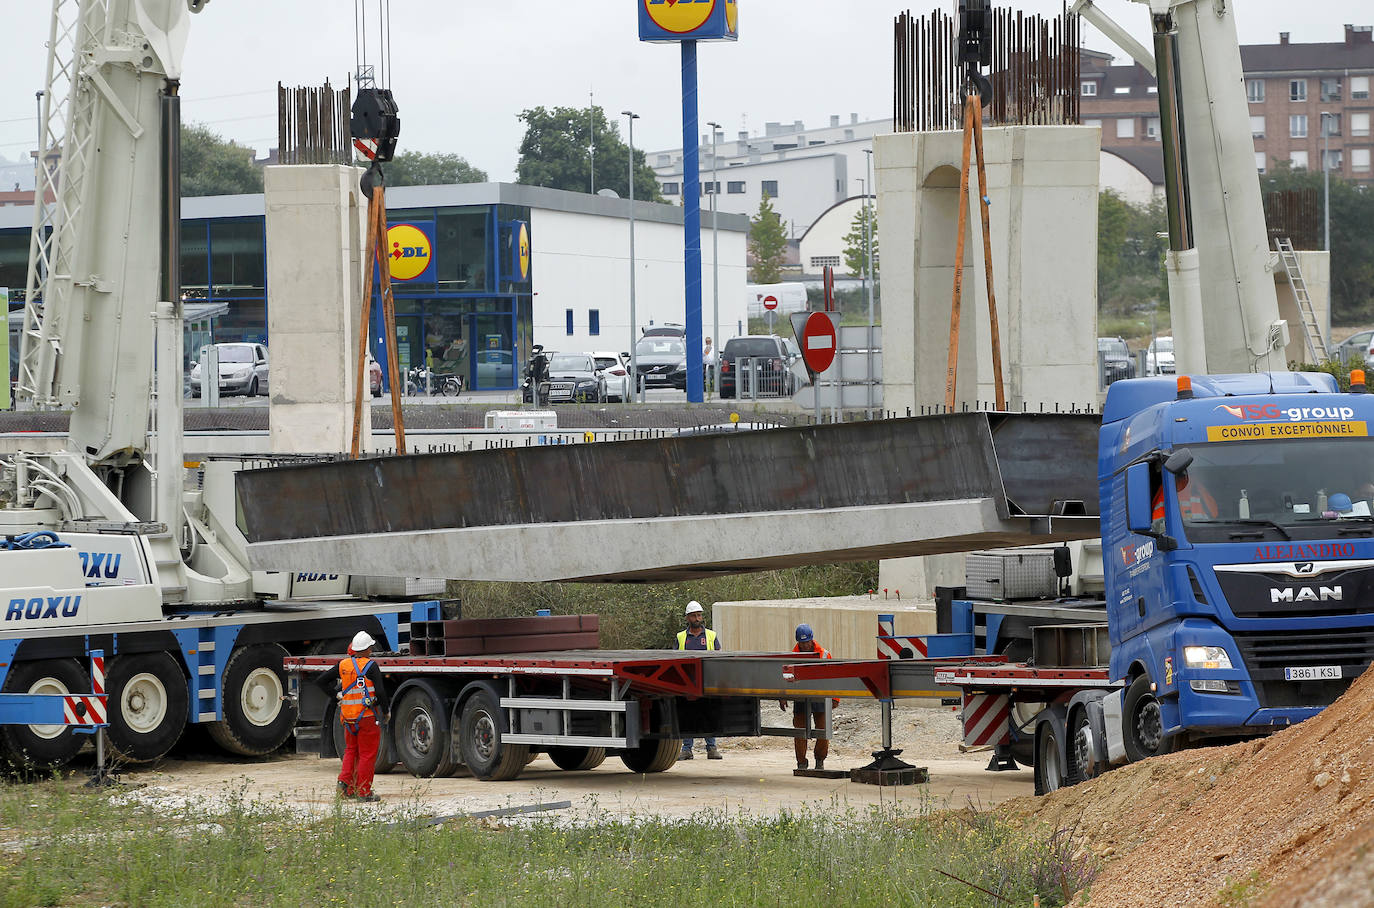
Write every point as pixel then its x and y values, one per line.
pixel 1282 821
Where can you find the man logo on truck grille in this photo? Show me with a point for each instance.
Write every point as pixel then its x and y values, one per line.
pixel 1306 594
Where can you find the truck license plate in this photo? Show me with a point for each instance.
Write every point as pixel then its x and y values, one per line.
pixel 1312 673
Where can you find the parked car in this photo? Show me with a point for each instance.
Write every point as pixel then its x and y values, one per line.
pixel 615 368
pixel 374 376
pixel 1358 347
pixel 662 361
pixel 756 365
pixel 1116 359
pixel 574 377
pixel 667 329
pixel 242 370
pixel 1159 356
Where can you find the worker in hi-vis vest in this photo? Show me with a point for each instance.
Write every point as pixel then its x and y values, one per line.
pixel 357 683
pixel 698 636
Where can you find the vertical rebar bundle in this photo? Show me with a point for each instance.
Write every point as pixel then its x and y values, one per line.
pixel 1034 71
pixel 313 125
pixel 1294 214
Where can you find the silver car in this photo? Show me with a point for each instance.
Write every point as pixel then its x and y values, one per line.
pixel 242 370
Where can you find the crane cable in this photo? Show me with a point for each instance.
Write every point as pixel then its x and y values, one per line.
pixel 381 74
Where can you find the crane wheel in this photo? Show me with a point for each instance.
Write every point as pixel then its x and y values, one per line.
pixel 257 717
pixel 148 703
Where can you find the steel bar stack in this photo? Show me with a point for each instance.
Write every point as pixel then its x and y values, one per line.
pixel 486 636
pixel 1034 71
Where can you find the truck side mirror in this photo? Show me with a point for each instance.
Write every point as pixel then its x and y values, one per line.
pixel 1179 461
pixel 1138 504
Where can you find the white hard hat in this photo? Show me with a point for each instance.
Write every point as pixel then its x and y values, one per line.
pixel 361 641
pixel 694 607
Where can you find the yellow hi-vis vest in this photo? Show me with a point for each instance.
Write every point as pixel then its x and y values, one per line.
pixel 358 692
pixel 710 639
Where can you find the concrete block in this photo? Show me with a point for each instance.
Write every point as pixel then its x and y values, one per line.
pixel 846 625
pixel 315 221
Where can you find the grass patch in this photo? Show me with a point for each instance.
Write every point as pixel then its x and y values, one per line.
pixel 647 616
pixel 81 847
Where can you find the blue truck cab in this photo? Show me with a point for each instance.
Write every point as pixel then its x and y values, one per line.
pixel 1238 547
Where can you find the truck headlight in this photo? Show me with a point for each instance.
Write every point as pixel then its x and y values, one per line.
pixel 1206 657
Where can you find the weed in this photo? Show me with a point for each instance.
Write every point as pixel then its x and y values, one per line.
pixel 1239 893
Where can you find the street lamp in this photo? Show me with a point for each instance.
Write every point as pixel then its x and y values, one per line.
pixel 715 265
pixel 1326 207
pixel 634 354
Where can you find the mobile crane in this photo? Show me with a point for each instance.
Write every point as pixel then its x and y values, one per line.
pixel 103 545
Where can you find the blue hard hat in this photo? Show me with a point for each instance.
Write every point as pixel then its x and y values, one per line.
pixel 804 633
pixel 1339 502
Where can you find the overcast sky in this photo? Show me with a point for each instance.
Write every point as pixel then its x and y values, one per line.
pixel 463 69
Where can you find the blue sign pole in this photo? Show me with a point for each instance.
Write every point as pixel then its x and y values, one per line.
pixel 691 221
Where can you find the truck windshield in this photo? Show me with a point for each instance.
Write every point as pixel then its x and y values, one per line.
pixel 1305 486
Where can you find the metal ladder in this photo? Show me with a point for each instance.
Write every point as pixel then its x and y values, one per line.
pixel 1312 331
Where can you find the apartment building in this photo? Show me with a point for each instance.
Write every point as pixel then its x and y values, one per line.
pixel 1304 99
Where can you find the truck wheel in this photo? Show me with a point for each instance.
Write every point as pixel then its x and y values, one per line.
pixel 1082 749
pixel 652 756
pixel 147 706
pixel 257 717
pixel 1049 766
pixel 43 746
pixel 480 729
pixel 386 751
pixel 1144 732
pixel 575 758
pixel 422 734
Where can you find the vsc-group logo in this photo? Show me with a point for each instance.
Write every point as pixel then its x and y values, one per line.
pixel 409 252
pixel 1294 414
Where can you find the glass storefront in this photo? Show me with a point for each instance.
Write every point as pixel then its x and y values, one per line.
pixel 466 316
pixel 471 314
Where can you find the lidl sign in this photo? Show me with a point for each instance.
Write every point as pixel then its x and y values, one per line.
pixel 410 252
pixel 688 20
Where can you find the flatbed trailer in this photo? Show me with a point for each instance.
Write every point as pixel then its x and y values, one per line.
pixel 492 713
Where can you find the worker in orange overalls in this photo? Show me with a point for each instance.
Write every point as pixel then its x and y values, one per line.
pixel 806 643
pixel 362 696
pixel 1194 501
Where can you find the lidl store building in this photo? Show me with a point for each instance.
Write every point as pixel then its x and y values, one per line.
pixel 470 306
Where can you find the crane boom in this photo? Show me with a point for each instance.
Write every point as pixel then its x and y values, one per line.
pixel 93 279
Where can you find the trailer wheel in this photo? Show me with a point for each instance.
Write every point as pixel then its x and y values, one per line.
pixel 1049 766
pixel 43 746
pixel 257 717
pixel 575 758
pixel 480 729
pixel 148 703
pixel 422 733
pixel 386 751
pixel 1082 749
pixel 655 755
pixel 1144 732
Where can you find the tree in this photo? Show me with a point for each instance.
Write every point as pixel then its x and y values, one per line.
pixel 417 168
pixel 555 153
pixel 855 253
pixel 1130 255
pixel 767 244
pixel 1352 239
pixel 212 165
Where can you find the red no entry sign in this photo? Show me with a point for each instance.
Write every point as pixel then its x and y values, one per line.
pixel 818 342
pixel 770 303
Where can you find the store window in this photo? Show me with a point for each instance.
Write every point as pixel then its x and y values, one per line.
pixel 238 264
pixel 461 250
